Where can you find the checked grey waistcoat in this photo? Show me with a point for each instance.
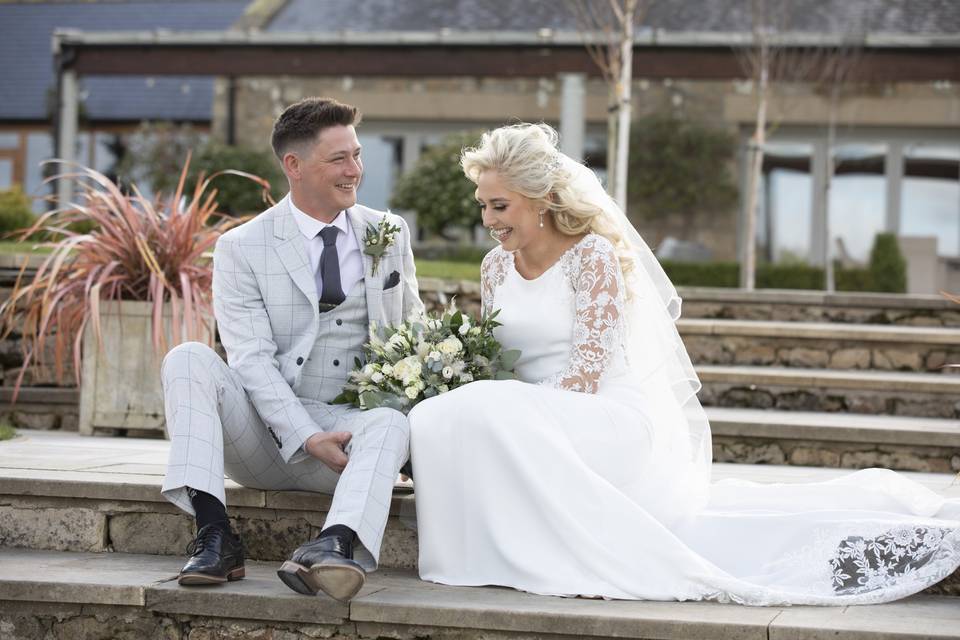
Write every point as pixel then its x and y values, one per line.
pixel 340 339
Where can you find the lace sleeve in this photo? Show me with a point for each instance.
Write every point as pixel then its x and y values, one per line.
pixel 492 272
pixel 599 325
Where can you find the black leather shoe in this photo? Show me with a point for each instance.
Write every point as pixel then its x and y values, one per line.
pixel 216 555
pixel 325 564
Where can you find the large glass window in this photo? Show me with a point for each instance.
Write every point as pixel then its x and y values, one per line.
pixel 858 197
pixel 784 202
pixel 931 195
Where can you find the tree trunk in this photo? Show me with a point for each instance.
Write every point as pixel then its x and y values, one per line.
pixel 749 266
pixel 625 110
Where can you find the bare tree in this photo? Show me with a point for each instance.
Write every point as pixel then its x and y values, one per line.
pixel 773 59
pixel 608 27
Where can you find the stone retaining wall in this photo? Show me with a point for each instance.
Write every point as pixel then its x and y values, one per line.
pixel 821 354
pixel 843 455
pixel 888 402
pixel 159 528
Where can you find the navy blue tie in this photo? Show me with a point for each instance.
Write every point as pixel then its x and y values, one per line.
pixel 331 288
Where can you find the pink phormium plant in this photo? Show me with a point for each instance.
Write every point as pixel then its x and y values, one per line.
pixel 139 249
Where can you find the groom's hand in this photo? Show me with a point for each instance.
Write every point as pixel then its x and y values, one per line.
pixel 328 448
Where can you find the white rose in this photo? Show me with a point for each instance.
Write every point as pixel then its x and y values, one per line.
pixel 450 345
pixel 475 331
pixel 368 370
pixel 401 370
pixel 387 369
pixel 434 355
pixel 447 372
pixel 413 365
pixel 466 377
pixel 377 377
pixel 412 392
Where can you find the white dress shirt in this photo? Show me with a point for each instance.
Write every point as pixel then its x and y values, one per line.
pixel 348 247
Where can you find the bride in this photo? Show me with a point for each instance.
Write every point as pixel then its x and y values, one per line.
pixel 591 475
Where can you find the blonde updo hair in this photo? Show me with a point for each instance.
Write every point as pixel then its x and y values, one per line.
pixel 526 159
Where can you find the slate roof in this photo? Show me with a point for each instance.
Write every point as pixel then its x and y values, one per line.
pixel 26 59
pixel 815 16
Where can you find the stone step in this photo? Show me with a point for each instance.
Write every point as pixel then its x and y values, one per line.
pixel 83 596
pixel 848 441
pixel 65 492
pixel 926 395
pixel 821 345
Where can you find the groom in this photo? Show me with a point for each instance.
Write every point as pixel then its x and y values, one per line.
pixel 294 291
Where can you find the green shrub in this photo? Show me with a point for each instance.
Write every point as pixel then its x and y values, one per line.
pixel 789 276
pixel 15 210
pixel 679 167
pixel 237 195
pixel 888 269
pixel 852 279
pixel 155 154
pixel 437 189
pixel 702 274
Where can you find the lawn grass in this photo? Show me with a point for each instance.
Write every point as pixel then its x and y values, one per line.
pixel 6 431
pixel 448 270
pixel 14 247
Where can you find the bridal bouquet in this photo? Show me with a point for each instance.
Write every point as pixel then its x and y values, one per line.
pixel 426 356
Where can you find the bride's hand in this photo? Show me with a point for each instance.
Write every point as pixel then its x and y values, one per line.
pixel 328 448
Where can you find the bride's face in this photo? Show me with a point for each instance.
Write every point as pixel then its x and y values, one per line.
pixel 512 219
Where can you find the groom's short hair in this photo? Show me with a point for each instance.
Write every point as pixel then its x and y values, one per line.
pixel 303 120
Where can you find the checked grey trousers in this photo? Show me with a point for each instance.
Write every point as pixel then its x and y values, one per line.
pixel 215 429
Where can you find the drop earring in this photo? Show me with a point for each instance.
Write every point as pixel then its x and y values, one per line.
pixel 541 218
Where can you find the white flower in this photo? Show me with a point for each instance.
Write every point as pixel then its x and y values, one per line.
pixel 443 388
pixel 434 355
pixel 447 372
pixel 450 346
pixel 377 377
pixel 464 328
pixel 412 392
pixel 475 331
pixel 397 342
pixel 401 370
pixel 466 377
pixel 387 369
pixel 368 370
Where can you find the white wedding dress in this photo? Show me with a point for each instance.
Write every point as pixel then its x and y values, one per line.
pixel 587 477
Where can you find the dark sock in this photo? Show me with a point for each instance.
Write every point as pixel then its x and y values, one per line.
pixel 341 531
pixel 209 510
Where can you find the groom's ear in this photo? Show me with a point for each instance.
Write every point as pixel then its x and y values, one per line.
pixel 291 165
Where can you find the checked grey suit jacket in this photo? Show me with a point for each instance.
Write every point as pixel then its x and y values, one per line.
pixel 266 307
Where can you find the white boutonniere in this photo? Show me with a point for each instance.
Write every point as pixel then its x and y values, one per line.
pixel 378 239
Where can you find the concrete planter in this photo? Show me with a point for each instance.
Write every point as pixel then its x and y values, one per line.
pixel 120 382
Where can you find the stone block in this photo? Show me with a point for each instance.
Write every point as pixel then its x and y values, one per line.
pixel 399 548
pixel 747 398
pixel 868 404
pixel 850 359
pixel 155 533
pixel 755 354
pixel 42 421
pixel 798 401
pixel 803 357
pixel 60 529
pixel 903 460
pixel 926 408
pixel 706 350
pixel 897 359
pixel 748 452
pixel 814 457
pixel 273 539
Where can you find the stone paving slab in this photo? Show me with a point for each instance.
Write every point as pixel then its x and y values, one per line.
pixel 84 578
pixel 807 298
pixel 804 378
pixel 398 599
pixel 839 427
pixel 924 617
pixel 820 331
